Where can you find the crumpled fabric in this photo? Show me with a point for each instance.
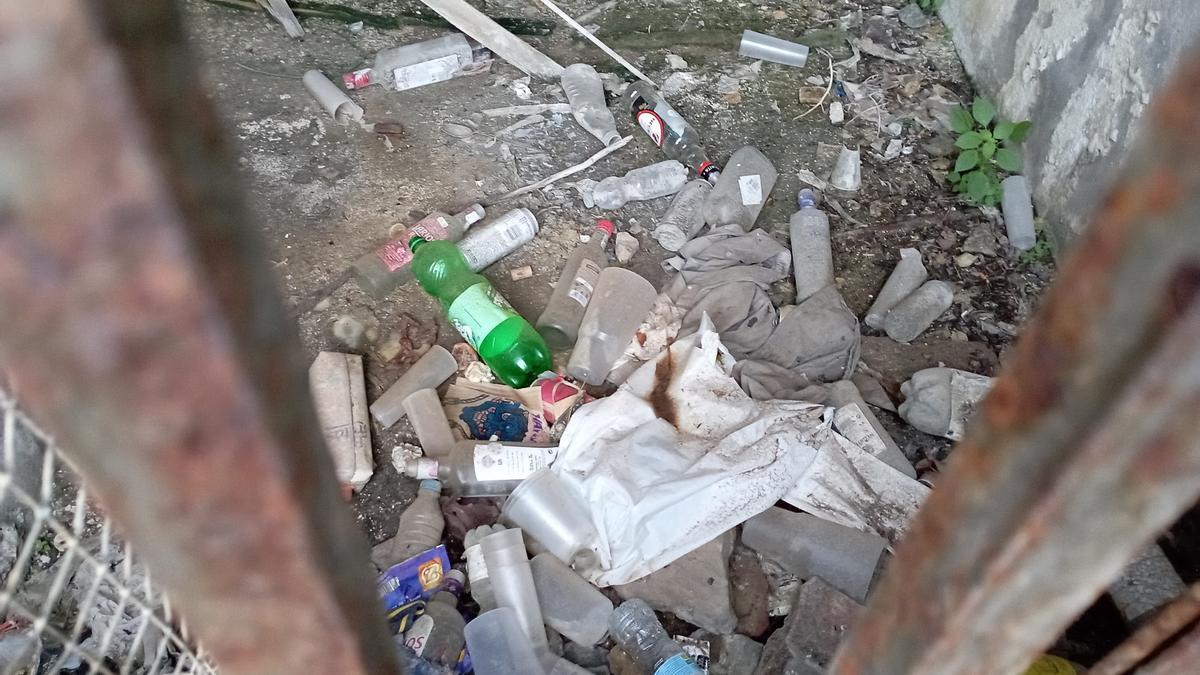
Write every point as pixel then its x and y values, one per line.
pixel 819 339
pixel 725 274
pixel 764 381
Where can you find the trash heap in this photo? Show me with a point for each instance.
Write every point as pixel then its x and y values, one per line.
pixel 702 452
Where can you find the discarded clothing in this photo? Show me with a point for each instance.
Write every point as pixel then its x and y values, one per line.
pixel 819 339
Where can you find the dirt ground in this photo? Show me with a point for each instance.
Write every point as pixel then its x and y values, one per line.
pixel 325 194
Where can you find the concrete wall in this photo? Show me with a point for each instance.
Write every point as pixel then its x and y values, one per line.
pixel 1083 71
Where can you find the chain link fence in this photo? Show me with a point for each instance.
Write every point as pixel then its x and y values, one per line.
pixel 74 599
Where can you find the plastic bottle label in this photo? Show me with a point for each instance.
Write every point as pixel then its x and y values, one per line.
pixel 496 462
pixel 476 568
pixel 421 74
pixel 418 636
pixel 751 187
pixel 395 254
pixel 431 228
pixel 478 310
pixel 584 283
pixel 678 665
pixel 653 125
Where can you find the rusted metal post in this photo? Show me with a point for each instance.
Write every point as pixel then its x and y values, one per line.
pixel 1088 445
pixel 1183 656
pixel 140 327
pixel 1164 625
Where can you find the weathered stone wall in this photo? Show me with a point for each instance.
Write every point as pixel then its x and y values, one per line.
pixel 1083 71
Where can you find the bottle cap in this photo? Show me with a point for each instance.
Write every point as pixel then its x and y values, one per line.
pixel 473 214
pixel 432 485
pixel 606 225
pixel 806 198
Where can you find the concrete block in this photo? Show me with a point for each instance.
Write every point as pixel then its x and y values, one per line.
pixel 694 588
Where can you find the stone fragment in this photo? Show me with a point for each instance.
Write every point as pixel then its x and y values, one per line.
pixel 808 639
pixel 694 588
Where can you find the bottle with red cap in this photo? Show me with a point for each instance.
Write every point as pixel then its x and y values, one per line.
pixel 559 322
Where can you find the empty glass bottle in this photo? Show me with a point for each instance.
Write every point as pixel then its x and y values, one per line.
pixel 585 92
pixel 638 632
pixel 483 468
pixel 421 63
pixel 504 339
pixel 647 182
pixel 385 268
pixel 668 129
pixel 559 322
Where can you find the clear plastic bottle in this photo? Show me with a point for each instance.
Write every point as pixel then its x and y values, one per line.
pixel 685 218
pixel 504 339
pixel 437 635
pixel 740 193
pixel 421 63
pixel 585 92
pixel 812 257
pixel 570 605
pixel 647 182
pixel 385 268
pixel 484 468
pixel 912 315
pixel 621 301
pixel 420 527
pixel 668 129
pixel 477 571
pixel 638 632
pixel 559 322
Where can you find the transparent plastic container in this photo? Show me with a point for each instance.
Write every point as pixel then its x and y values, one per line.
pixel 812 256
pixel 559 322
pixel 685 217
pixel 495 239
pixel 424 410
pixel 912 315
pixel 477 572
pixel 553 516
pixel 382 270
pixel 484 468
pixel 433 368
pixel 421 63
pixel 585 92
pixel 498 645
pixel 638 632
pixel 906 277
pixel 667 129
pixel 648 182
pixel 512 582
pixel 570 604
pixel 420 528
pixel 1017 205
pixel 768 48
pixel 743 188
pixel 620 304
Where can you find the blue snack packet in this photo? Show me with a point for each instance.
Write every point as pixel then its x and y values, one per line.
pixel 405 587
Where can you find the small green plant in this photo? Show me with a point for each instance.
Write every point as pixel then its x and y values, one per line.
pixel 929 6
pixel 1040 253
pixel 986 147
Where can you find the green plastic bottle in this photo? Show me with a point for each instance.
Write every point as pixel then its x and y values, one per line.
pixel 504 339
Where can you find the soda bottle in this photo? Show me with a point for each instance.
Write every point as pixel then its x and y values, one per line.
pixel 505 341
pixel 385 268
pixel 559 323
pixel 484 468
pixel 437 635
pixel 420 528
pixel 585 92
pixel 668 129
pixel 812 258
pixel 421 63
pixel 646 182
pixel 638 632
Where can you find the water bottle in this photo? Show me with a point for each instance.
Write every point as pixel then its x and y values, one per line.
pixel 437 635
pixel 559 323
pixel 647 182
pixel 668 129
pixel 483 468
pixel 420 527
pixel 740 193
pixel 812 257
pixel 638 632
pixel 418 64
pixel 621 301
pixel 585 92
pixel 385 268
pixel 685 217
pixel 504 339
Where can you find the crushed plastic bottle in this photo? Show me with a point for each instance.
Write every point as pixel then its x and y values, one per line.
pixel 685 217
pixel 667 128
pixel 585 92
pixel 647 182
pixel 559 322
pixel 385 268
pixel 742 189
pixel 437 635
pixel 812 256
pixel 638 632
pixel 420 527
pixel 421 63
pixel 483 468
pixel 504 339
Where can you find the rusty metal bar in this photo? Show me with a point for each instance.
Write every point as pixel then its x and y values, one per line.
pixel 1166 623
pixel 1088 445
pixel 140 327
pixel 1183 656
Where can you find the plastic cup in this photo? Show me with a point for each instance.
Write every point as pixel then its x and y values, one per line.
pixel 424 410
pixel 553 516
pixel 498 645
pixel 432 369
pixel 758 46
pixel 512 583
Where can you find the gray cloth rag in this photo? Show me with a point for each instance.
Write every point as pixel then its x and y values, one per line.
pixel 726 274
pixel 818 339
